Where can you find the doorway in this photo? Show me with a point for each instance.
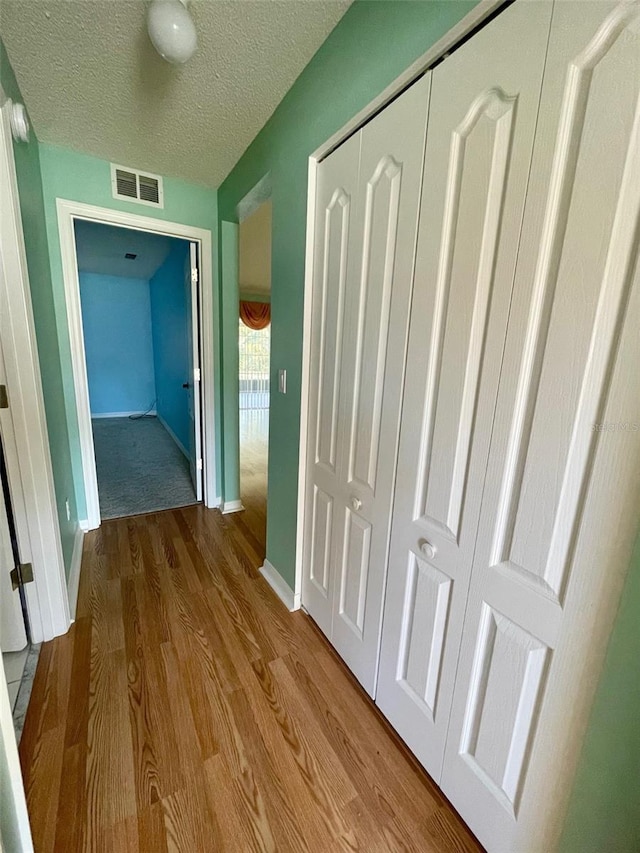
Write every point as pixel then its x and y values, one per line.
pixel 254 338
pixel 141 327
pixel 69 212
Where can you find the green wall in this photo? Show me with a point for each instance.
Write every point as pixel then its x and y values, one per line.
pixel 604 810
pixel 79 177
pixel 370 47
pixel 28 170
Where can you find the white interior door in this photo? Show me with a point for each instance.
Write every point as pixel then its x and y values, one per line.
pixel 482 119
pixel 366 224
pixel 193 384
pixel 13 636
pixel 15 832
pixel 336 190
pixel 575 307
pixel 373 361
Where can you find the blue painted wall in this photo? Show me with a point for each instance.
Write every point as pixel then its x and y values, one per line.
pixel 169 321
pixel 116 316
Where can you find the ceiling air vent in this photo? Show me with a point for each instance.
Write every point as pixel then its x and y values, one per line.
pixel 140 187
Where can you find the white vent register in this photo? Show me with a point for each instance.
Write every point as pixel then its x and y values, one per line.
pixel 140 187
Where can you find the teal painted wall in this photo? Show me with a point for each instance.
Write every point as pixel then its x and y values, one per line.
pixel 370 47
pixel 28 169
pixel 170 319
pixel 80 177
pixel 604 810
pixel 118 347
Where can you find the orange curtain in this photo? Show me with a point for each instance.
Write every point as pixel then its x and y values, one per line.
pixel 255 315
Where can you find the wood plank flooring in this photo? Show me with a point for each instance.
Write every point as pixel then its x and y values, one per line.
pixel 187 710
pixel 254 441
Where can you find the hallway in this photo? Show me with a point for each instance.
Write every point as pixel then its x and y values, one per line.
pixel 188 710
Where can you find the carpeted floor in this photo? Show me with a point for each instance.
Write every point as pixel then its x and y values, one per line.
pixel 140 467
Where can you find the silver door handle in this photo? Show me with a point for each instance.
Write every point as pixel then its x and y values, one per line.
pixel 427 549
pixel 356 503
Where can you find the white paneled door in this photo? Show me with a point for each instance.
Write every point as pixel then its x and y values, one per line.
pixel 482 119
pixel 336 192
pixel 577 279
pixel 365 245
pixel 13 635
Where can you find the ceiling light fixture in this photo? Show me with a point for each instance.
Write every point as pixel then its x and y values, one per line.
pixel 171 30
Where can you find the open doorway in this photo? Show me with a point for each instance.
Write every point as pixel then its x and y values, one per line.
pixel 140 320
pixel 254 279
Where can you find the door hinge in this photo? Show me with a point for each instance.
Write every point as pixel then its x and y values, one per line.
pixel 194 275
pixel 21 575
pixel 196 374
pixel 4 397
pixel 199 465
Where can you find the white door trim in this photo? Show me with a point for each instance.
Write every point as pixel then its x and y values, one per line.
pixel 68 211
pixel 26 441
pixel 437 51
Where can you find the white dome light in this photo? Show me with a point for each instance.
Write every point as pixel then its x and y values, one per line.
pixel 171 30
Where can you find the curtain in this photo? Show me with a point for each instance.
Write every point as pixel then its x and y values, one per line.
pixel 255 315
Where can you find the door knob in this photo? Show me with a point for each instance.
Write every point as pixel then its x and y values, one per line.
pixel 186 385
pixel 427 549
pixel 356 503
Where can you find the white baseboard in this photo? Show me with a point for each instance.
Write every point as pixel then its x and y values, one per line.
pixel 231 506
pixel 278 584
pixel 121 414
pixel 74 572
pixel 173 436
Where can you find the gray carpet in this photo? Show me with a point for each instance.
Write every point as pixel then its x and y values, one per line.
pixel 140 467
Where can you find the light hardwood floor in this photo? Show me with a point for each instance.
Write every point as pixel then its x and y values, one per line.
pixel 186 709
pixel 254 440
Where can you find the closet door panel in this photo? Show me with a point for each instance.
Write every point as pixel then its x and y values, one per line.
pixel 479 144
pixel 334 223
pixel 477 179
pixel 372 314
pixel 577 273
pixel 377 319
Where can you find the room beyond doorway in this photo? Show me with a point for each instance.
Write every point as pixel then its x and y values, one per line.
pixel 140 318
pixel 254 334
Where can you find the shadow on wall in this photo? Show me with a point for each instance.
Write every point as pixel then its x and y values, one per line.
pixel 169 323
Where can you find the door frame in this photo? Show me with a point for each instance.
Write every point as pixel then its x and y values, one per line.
pixel 68 212
pixel 571 699
pixel 26 440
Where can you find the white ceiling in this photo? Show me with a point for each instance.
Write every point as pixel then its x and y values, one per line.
pixel 102 249
pixel 92 81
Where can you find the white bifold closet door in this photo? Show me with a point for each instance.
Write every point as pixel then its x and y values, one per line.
pixel 559 492
pixel 482 120
pixel 366 216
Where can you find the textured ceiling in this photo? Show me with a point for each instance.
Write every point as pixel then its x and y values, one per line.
pixel 102 248
pixel 92 81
